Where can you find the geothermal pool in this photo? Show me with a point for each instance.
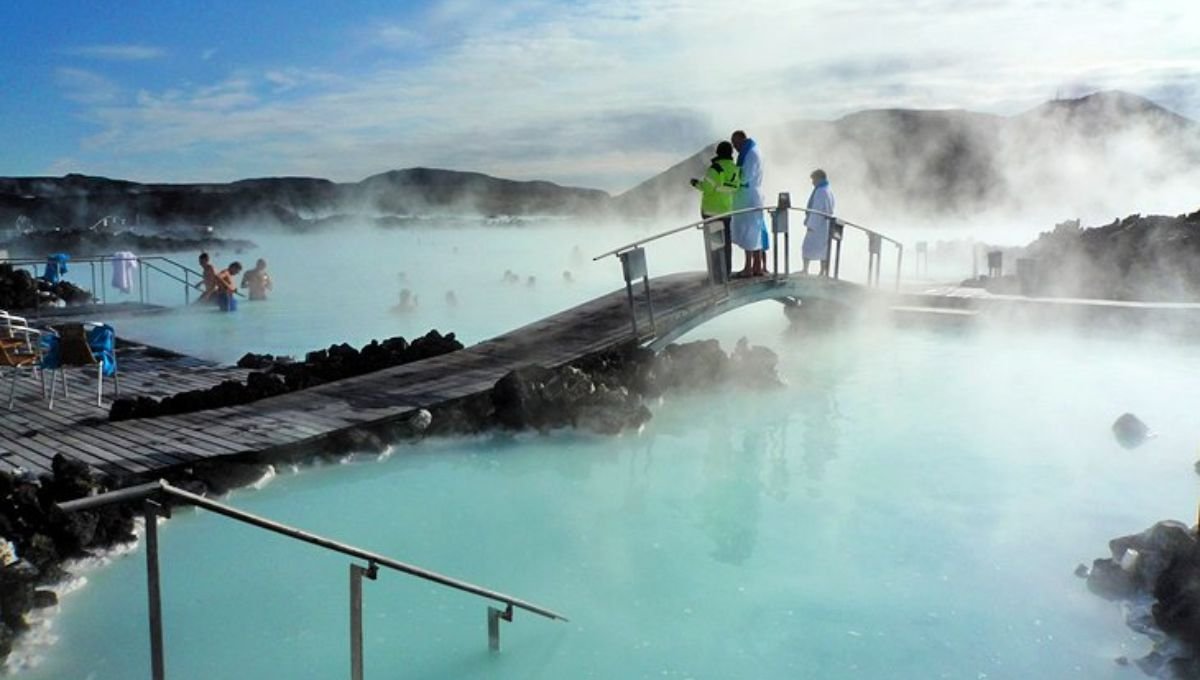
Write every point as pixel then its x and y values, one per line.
pixel 912 505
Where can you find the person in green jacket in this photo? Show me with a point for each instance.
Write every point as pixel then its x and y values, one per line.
pixel 717 189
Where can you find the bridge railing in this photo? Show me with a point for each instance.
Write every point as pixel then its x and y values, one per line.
pixel 101 266
pixel 633 255
pixel 153 495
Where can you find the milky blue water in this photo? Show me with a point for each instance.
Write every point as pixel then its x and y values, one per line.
pixel 912 505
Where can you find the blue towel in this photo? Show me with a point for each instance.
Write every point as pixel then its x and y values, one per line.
pixel 102 340
pixel 56 266
pixel 51 358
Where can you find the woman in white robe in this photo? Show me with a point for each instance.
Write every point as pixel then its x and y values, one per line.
pixel 748 229
pixel 816 239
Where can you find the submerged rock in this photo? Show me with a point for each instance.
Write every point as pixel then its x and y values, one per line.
pixel 1130 431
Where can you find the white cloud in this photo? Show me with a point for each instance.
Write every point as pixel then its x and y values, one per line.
pixel 607 92
pixel 117 52
pixel 85 87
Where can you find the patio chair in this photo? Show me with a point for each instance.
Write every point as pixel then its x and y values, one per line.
pixel 77 346
pixel 23 352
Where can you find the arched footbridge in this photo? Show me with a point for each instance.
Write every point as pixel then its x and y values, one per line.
pixel 659 310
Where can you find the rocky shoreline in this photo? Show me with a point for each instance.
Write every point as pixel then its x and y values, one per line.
pixel 604 393
pixel 1157 574
pixel 20 290
pixel 280 375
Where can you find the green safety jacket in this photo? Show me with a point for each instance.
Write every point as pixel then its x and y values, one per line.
pixel 718 185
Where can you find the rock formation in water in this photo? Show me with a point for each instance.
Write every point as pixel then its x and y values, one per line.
pixel 41 537
pixel 20 290
pixel 1158 573
pixel 1149 258
pixel 280 375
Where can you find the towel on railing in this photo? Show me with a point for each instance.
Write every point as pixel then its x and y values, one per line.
pixel 102 340
pixel 56 266
pixel 124 264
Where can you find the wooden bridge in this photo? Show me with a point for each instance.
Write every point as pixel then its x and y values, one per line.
pixel 650 311
pixel 31 434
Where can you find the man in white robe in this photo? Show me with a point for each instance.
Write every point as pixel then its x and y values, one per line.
pixel 816 239
pixel 749 230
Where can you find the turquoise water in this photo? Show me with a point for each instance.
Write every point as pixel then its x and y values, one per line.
pixel 912 505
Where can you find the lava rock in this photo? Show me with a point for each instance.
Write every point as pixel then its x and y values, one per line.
pixel 44 598
pixel 1130 431
pixel 16 593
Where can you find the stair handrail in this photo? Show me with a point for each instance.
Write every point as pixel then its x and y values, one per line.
pixel 152 495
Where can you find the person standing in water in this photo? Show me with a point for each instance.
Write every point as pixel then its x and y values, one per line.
pixel 717 189
pixel 749 230
pixel 227 287
pixel 816 239
pixel 258 281
pixel 208 279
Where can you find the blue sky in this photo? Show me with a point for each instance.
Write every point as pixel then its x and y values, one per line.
pixel 593 92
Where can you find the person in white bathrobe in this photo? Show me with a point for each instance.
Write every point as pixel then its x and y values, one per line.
pixel 816 239
pixel 749 230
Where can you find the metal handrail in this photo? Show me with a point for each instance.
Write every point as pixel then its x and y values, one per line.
pixel 152 492
pixel 146 261
pixel 769 208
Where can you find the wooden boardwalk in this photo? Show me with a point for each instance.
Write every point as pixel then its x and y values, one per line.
pixel 31 435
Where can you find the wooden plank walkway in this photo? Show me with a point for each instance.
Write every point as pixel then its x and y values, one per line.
pixel 31 435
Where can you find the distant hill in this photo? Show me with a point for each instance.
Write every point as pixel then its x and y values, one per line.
pixel 1105 150
pixel 77 201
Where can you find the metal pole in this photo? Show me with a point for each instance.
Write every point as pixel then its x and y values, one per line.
pixel 187 288
pixel 356 640
pixel 899 263
pixel 157 667
pixel 649 303
pixel 103 288
pixel 494 617
pixel 837 264
pixel 632 308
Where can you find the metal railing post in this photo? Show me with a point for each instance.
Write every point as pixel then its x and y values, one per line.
pixel 151 512
pixel 633 266
pixel 779 225
pixel 494 617
pixel 356 639
pixel 899 263
pixel 187 288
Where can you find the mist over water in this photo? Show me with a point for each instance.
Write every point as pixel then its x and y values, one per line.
pixel 911 505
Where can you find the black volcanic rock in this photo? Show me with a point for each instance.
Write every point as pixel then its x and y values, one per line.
pixel 77 202
pixel 1152 257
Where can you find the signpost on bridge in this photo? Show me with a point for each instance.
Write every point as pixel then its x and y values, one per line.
pixel 633 264
pixel 779 225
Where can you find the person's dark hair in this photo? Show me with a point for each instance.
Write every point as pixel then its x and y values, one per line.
pixel 204 257
pixel 819 175
pixel 235 267
pixel 739 133
pixel 724 150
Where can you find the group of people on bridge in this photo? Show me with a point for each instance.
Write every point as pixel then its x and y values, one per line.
pixel 729 186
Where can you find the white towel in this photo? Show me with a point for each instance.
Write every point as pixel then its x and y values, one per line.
pixel 124 263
